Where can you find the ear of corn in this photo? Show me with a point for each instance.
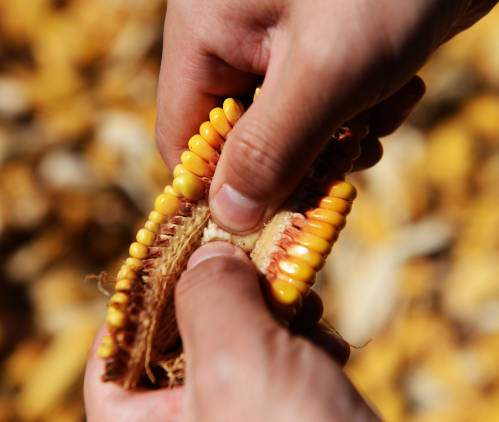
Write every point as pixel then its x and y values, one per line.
pixel 143 341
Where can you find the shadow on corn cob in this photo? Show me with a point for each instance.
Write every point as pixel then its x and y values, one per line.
pixel 143 347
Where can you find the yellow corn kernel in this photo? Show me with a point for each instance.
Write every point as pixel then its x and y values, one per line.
pixel 342 189
pixel 157 217
pixel 145 237
pixel 219 121
pixel 115 317
pixel 195 164
pixel 306 255
pixel 297 270
pixel 105 351
pixel 233 110
pixel 151 226
pixel 189 186
pixel 202 148
pixel 335 204
pixel 313 242
pixel 285 293
pixel 123 284
pixel 107 341
pixel 178 170
pixel 257 93
pixel 302 287
pixel 166 205
pixel 138 250
pixel 169 188
pixel 119 298
pixel 323 230
pixel 134 263
pixel 210 135
pixel 126 271
pixel 331 217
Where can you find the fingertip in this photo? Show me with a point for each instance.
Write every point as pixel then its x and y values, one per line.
pixel 214 250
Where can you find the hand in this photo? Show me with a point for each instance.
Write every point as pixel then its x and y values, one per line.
pixel 241 364
pixel 323 61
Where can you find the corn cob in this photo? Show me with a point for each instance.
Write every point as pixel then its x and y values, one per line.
pixel 288 252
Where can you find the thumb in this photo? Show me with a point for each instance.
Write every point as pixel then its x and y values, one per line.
pixel 269 150
pixel 219 305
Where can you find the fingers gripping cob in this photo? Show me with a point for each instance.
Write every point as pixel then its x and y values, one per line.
pixel 143 346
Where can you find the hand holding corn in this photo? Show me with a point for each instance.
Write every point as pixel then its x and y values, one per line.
pixel 324 63
pixel 268 152
pixel 243 365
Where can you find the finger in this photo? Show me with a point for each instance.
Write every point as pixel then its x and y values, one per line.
pixel 310 311
pixel 372 151
pixel 330 341
pixel 107 401
pixel 191 82
pixel 388 115
pixel 269 149
pixel 219 305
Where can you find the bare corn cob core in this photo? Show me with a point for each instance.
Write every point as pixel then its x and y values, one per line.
pixel 143 346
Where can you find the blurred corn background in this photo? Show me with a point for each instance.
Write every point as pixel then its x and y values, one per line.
pixel 413 283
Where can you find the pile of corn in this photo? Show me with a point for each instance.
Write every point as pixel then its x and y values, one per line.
pixel 79 171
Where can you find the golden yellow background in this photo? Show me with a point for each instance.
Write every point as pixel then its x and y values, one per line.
pixel 413 281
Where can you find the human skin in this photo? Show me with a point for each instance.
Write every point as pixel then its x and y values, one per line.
pixel 324 62
pixel 241 363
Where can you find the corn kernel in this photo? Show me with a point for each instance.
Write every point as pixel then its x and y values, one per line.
pixel 210 135
pixel 126 271
pixel 178 170
pixel 297 270
pixel 203 149
pixel 189 186
pixel 166 205
pixel 107 341
pixel 331 217
pixel 257 93
pixel 335 204
pixel 314 242
pixel 219 121
pixel 285 293
pixel 138 250
pixel 145 237
pixel 302 287
pixel 341 189
pixel 233 110
pixel 157 217
pixel 323 230
pixel 123 284
pixel 104 351
pixel 151 226
pixel 115 317
pixel 169 188
pixel 134 263
pixel 302 254
pixel 195 164
pixel 119 298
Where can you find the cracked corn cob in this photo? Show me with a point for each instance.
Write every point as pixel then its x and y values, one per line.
pixel 287 252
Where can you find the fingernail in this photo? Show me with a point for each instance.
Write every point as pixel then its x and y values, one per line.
pixel 213 250
pixel 235 211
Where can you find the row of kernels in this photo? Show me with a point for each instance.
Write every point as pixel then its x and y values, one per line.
pixel 305 256
pixel 203 153
pixel 197 162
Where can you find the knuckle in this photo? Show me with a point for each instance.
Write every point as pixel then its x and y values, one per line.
pixel 255 164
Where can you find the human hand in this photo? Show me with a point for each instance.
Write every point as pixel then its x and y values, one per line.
pixel 241 364
pixel 324 62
